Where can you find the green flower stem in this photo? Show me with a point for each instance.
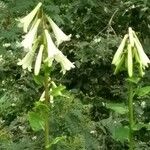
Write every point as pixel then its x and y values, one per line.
pixel 47 117
pixel 131 120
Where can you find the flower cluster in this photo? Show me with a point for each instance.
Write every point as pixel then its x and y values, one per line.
pixel 38 37
pixel 130 52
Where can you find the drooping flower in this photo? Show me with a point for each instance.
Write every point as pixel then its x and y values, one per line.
pixel 30 36
pixel 38 60
pixel 64 62
pixel 52 50
pixel 26 21
pixel 55 53
pixel 119 51
pixel 26 62
pixel 130 50
pixel 143 57
pixel 59 34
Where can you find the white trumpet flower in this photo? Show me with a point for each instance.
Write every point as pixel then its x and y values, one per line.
pixel 120 50
pixel 143 57
pixel 30 36
pixel 26 62
pixel 52 50
pixel 26 21
pixel 64 62
pixel 59 34
pixel 55 53
pixel 38 60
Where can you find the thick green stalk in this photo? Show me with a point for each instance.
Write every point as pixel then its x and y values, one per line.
pixel 131 120
pixel 47 117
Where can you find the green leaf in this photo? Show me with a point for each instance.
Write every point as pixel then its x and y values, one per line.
pixel 56 140
pixel 138 126
pixel 36 122
pixel 38 79
pixel 117 107
pixel 143 91
pixel 120 133
pixel 134 80
pixel 56 91
pixel 147 126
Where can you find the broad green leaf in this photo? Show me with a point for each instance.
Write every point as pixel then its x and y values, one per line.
pixel 143 91
pixel 36 122
pixel 120 133
pixel 117 107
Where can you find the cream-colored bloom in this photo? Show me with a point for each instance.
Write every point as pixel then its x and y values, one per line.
pixel 143 57
pixel 26 62
pixel 119 51
pixel 38 60
pixel 131 38
pixel 64 62
pixel 26 21
pixel 30 36
pixel 59 34
pixel 55 53
pixel 52 50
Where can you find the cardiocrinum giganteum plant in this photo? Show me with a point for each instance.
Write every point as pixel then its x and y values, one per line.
pixel 41 48
pixel 131 57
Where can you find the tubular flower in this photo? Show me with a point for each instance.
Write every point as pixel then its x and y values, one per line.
pixel 59 34
pixel 55 53
pixel 38 60
pixel 52 50
pixel 143 57
pixel 26 62
pixel 130 53
pixel 26 21
pixel 64 62
pixel 120 50
pixel 30 36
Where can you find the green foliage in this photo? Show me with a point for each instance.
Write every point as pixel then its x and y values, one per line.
pixel 117 107
pixel 143 91
pixel 96 34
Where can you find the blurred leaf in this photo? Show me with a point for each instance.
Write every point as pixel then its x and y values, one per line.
pixel 38 79
pixel 143 91
pixel 56 140
pixel 36 121
pixel 117 107
pixel 120 133
pixel 138 126
pixel 134 80
pixel 57 91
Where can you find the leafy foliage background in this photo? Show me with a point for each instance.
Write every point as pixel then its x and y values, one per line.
pixel 97 27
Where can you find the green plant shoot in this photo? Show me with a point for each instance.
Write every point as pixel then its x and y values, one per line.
pixel 130 56
pixel 40 46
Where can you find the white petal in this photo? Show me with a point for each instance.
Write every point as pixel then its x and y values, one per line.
pixel 64 62
pixel 52 50
pixel 143 57
pixel 27 19
pixel 38 60
pixel 26 62
pixel 30 36
pixel 60 35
